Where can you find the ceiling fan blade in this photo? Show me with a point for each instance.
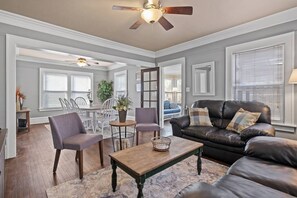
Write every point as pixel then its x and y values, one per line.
pixel 115 7
pixel 137 24
pixel 187 10
pixel 165 23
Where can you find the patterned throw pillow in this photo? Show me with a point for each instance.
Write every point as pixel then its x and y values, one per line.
pixel 242 120
pixel 199 117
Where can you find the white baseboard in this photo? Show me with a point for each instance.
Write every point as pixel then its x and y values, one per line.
pixel 39 120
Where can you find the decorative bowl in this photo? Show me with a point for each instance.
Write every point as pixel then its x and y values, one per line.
pixel 161 144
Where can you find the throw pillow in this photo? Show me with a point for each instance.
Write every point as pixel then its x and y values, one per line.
pixel 199 117
pixel 242 120
pixel 166 104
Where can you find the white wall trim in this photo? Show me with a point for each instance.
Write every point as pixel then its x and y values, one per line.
pixel 40 26
pixel 39 120
pixel 32 43
pixel 265 22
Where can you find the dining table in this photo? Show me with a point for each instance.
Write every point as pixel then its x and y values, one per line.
pixel 92 109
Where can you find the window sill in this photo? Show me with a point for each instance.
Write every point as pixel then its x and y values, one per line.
pixel 53 109
pixel 284 128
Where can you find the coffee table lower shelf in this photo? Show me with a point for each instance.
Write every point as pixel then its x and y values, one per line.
pixel 140 179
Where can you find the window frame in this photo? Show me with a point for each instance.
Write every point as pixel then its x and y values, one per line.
pixel 69 91
pixel 289 51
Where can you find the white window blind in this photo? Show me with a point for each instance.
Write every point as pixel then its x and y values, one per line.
pixel 80 86
pixel 259 76
pixel 55 84
pixel 120 83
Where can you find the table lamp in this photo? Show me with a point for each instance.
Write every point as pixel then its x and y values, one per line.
pixel 293 77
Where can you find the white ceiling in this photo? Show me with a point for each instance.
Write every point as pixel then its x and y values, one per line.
pixel 95 17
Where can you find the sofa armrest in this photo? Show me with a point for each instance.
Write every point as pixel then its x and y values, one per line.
pixel 275 149
pixel 259 129
pixel 203 190
pixel 178 124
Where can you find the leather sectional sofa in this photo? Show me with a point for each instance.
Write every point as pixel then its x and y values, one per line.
pixel 269 169
pixel 219 143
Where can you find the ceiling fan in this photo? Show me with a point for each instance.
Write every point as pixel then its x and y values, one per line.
pixel 83 62
pixel 153 12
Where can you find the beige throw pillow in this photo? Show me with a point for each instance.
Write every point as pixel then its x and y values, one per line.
pixel 242 120
pixel 199 117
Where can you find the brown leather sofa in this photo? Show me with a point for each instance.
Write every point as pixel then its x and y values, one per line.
pixel 219 143
pixel 269 169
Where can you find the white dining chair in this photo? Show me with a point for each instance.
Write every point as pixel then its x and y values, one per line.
pixel 107 113
pixel 80 101
pixel 86 120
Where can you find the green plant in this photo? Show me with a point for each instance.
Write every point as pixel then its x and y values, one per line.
pixel 105 90
pixel 123 103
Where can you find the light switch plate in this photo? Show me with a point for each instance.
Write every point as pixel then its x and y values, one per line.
pixel 187 89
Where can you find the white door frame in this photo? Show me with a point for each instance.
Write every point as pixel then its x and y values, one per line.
pixel 174 62
pixel 12 42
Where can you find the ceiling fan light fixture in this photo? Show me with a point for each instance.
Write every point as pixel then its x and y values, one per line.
pixel 82 62
pixel 151 15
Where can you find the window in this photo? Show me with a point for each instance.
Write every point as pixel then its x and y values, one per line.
pixel 55 84
pixel 120 83
pixel 259 71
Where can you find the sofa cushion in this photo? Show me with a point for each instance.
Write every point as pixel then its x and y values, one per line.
pixel 279 150
pixel 198 131
pixel 242 187
pixel 242 120
pixel 215 110
pixel 169 111
pixel 204 190
pixel 226 137
pixel 199 117
pixel 173 105
pixel 277 176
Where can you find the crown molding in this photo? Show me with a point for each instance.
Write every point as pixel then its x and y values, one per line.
pixel 265 22
pixel 40 26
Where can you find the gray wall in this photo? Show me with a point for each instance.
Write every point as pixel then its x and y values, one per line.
pixel 28 80
pixel 132 93
pixel 216 52
pixel 8 29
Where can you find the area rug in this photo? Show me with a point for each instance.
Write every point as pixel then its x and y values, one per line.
pixel 106 133
pixel 164 184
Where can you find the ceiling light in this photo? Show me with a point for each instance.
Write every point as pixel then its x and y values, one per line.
pixel 81 62
pixel 151 15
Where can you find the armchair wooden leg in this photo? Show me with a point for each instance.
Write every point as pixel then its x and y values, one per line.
pixel 76 156
pixel 136 137
pixel 159 134
pixel 81 170
pixel 101 152
pixel 58 152
pixel 154 133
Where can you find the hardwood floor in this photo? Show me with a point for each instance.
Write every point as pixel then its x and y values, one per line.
pixel 30 173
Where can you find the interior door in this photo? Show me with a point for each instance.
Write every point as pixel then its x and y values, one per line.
pixel 150 87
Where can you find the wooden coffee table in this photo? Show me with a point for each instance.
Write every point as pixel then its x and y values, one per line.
pixel 142 162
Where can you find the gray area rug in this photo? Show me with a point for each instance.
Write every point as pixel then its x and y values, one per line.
pixel 164 184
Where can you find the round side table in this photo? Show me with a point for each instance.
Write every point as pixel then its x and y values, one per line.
pixel 122 136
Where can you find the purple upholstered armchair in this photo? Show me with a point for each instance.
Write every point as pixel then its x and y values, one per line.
pixel 68 132
pixel 146 120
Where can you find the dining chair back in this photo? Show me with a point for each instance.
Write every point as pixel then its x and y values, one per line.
pixel 80 101
pixel 107 113
pixel 68 132
pixel 86 119
pixel 146 121
pixel 63 105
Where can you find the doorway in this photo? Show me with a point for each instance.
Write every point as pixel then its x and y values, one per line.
pixel 172 100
